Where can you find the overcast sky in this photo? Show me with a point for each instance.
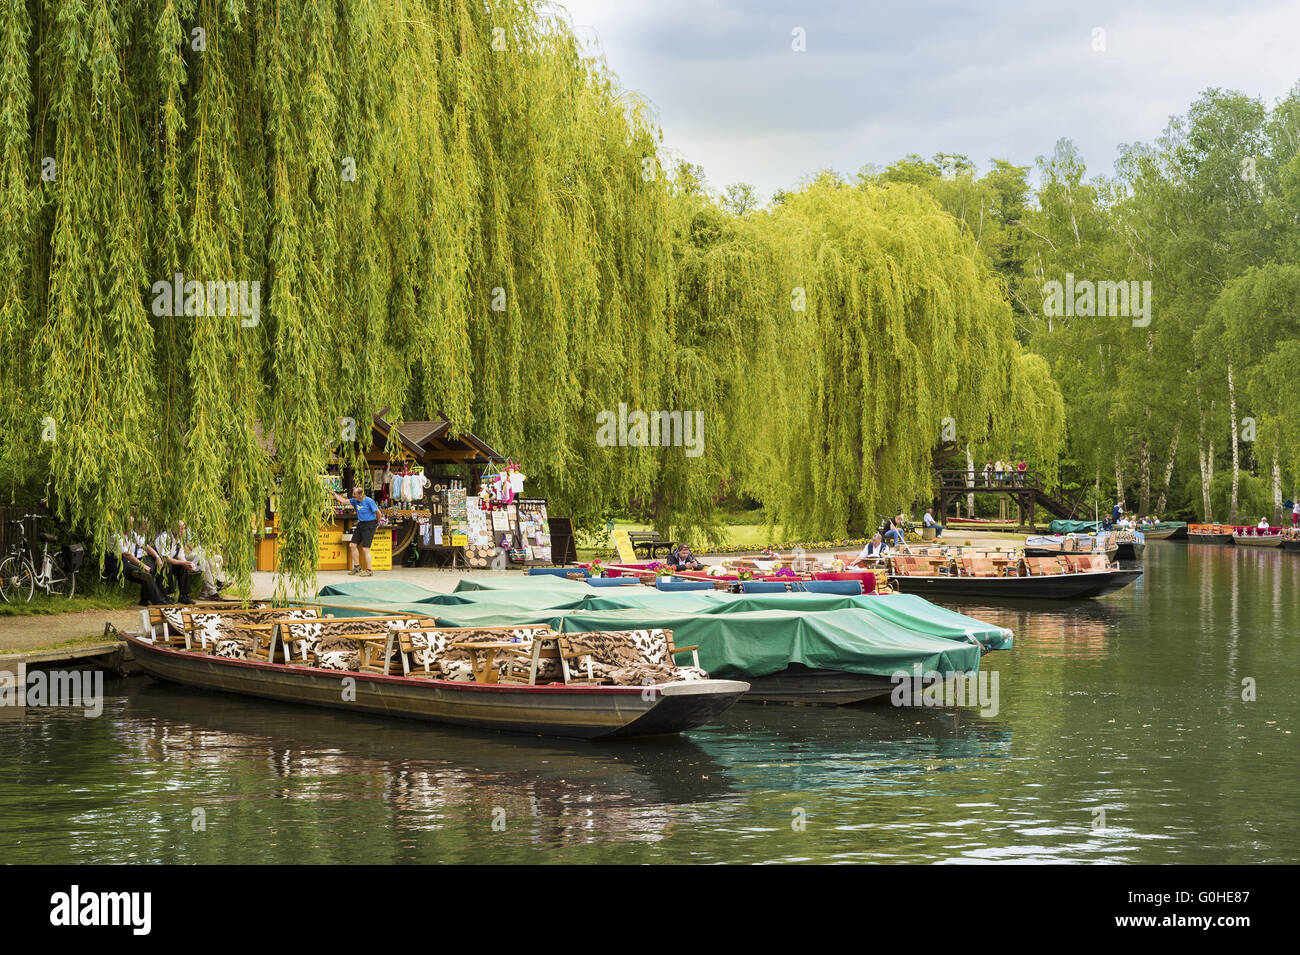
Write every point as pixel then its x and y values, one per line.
pixel 877 81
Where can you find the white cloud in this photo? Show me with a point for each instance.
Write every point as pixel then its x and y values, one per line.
pixel 1004 78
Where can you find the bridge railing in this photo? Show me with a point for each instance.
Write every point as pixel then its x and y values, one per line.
pixel 954 479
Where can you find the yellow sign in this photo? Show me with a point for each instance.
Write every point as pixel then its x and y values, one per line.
pixel 623 544
pixel 332 551
pixel 459 540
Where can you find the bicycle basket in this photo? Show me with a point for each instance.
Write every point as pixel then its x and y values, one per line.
pixel 74 555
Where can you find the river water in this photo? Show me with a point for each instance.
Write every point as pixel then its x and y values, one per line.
pixel 1121 736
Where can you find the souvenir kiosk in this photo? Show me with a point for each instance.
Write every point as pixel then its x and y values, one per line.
pixel 443 500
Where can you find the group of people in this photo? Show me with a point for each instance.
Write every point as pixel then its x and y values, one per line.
pixel 892 534
pixel 1004 472
pixel 169 561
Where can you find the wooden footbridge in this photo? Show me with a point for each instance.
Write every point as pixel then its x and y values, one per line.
pixel 1027 488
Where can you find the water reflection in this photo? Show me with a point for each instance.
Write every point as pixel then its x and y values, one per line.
pixel 547 792
pixel 1131 706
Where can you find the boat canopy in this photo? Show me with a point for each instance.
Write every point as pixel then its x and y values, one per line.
pixel 738 634
pixel 1073 527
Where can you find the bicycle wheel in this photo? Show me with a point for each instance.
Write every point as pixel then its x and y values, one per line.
pixel 17 580
pixel 63 583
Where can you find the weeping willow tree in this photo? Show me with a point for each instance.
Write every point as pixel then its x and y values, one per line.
pixel 888 323
pixel 439 206
pixel 235 229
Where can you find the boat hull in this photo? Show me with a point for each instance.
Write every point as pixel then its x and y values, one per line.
pixel 1291 544
pixel 1129 550
pixel 1270 540
pixel 801 685
pixel 1165 533
pixel 575 712
pixel 1046 587
pixel 1210 538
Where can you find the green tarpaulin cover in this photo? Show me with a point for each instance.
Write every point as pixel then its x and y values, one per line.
pixel 1073 527
pixel 738 634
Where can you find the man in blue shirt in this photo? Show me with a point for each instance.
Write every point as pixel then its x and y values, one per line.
pixel 363 531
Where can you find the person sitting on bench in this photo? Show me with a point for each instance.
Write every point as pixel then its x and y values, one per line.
pixel 176 567
pixel 683 559
pixel 134 552
pixel 893 529
pixel 929 521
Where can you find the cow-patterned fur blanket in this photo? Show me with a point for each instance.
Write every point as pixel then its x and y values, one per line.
pixel 627 657
pixel 457 664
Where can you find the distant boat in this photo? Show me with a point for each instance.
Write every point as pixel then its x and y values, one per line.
pixel 1257 537
pixel 1054 545
pixel 1129 544
pixel 1165 531
pixel 1210 533
pixel 1065 578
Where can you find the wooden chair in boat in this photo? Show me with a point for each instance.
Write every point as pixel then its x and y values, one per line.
pixel 165 623
pixel 1043 566
pixel 203 626
pixel 346 642
pixel 424 652
pixel 980 567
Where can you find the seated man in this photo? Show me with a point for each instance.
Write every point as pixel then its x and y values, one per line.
pixel 929 521
pixel 875 548
pixel 133 552
pixel 893 530
pixel 683 559
pixel 176 567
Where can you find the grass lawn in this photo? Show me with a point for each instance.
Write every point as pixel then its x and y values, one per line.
pixel 99 597
pixel 748 536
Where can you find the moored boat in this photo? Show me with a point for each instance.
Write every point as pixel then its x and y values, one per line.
pixel 1165 530
pixel 1055 545
pixel 579 711
pixel 1065 578
pixel 1257 537
pixel 1209 533
pixel 1129 544
pixel 828 647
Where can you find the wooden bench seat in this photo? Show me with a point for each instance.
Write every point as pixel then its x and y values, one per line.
pixel 626 658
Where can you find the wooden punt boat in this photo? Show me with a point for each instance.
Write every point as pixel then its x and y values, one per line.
pixel 1130 549
pixel 573 711
pixel 1165 531
pixel 1055 545
pixel 1291 543
pixel 1255 538
pixel 1209 533
pixel 1055 587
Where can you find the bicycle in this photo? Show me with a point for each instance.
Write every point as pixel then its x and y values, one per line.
pixel 19 574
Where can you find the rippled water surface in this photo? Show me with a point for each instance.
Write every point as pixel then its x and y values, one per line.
pixel 1126 711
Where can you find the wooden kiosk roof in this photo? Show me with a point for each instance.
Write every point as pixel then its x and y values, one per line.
pixel 431 442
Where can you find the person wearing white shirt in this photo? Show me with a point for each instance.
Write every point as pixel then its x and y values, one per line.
pixel 874 549
pixel 929 521
pixel 133 552
pixel 1263 524
pixel 171 550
